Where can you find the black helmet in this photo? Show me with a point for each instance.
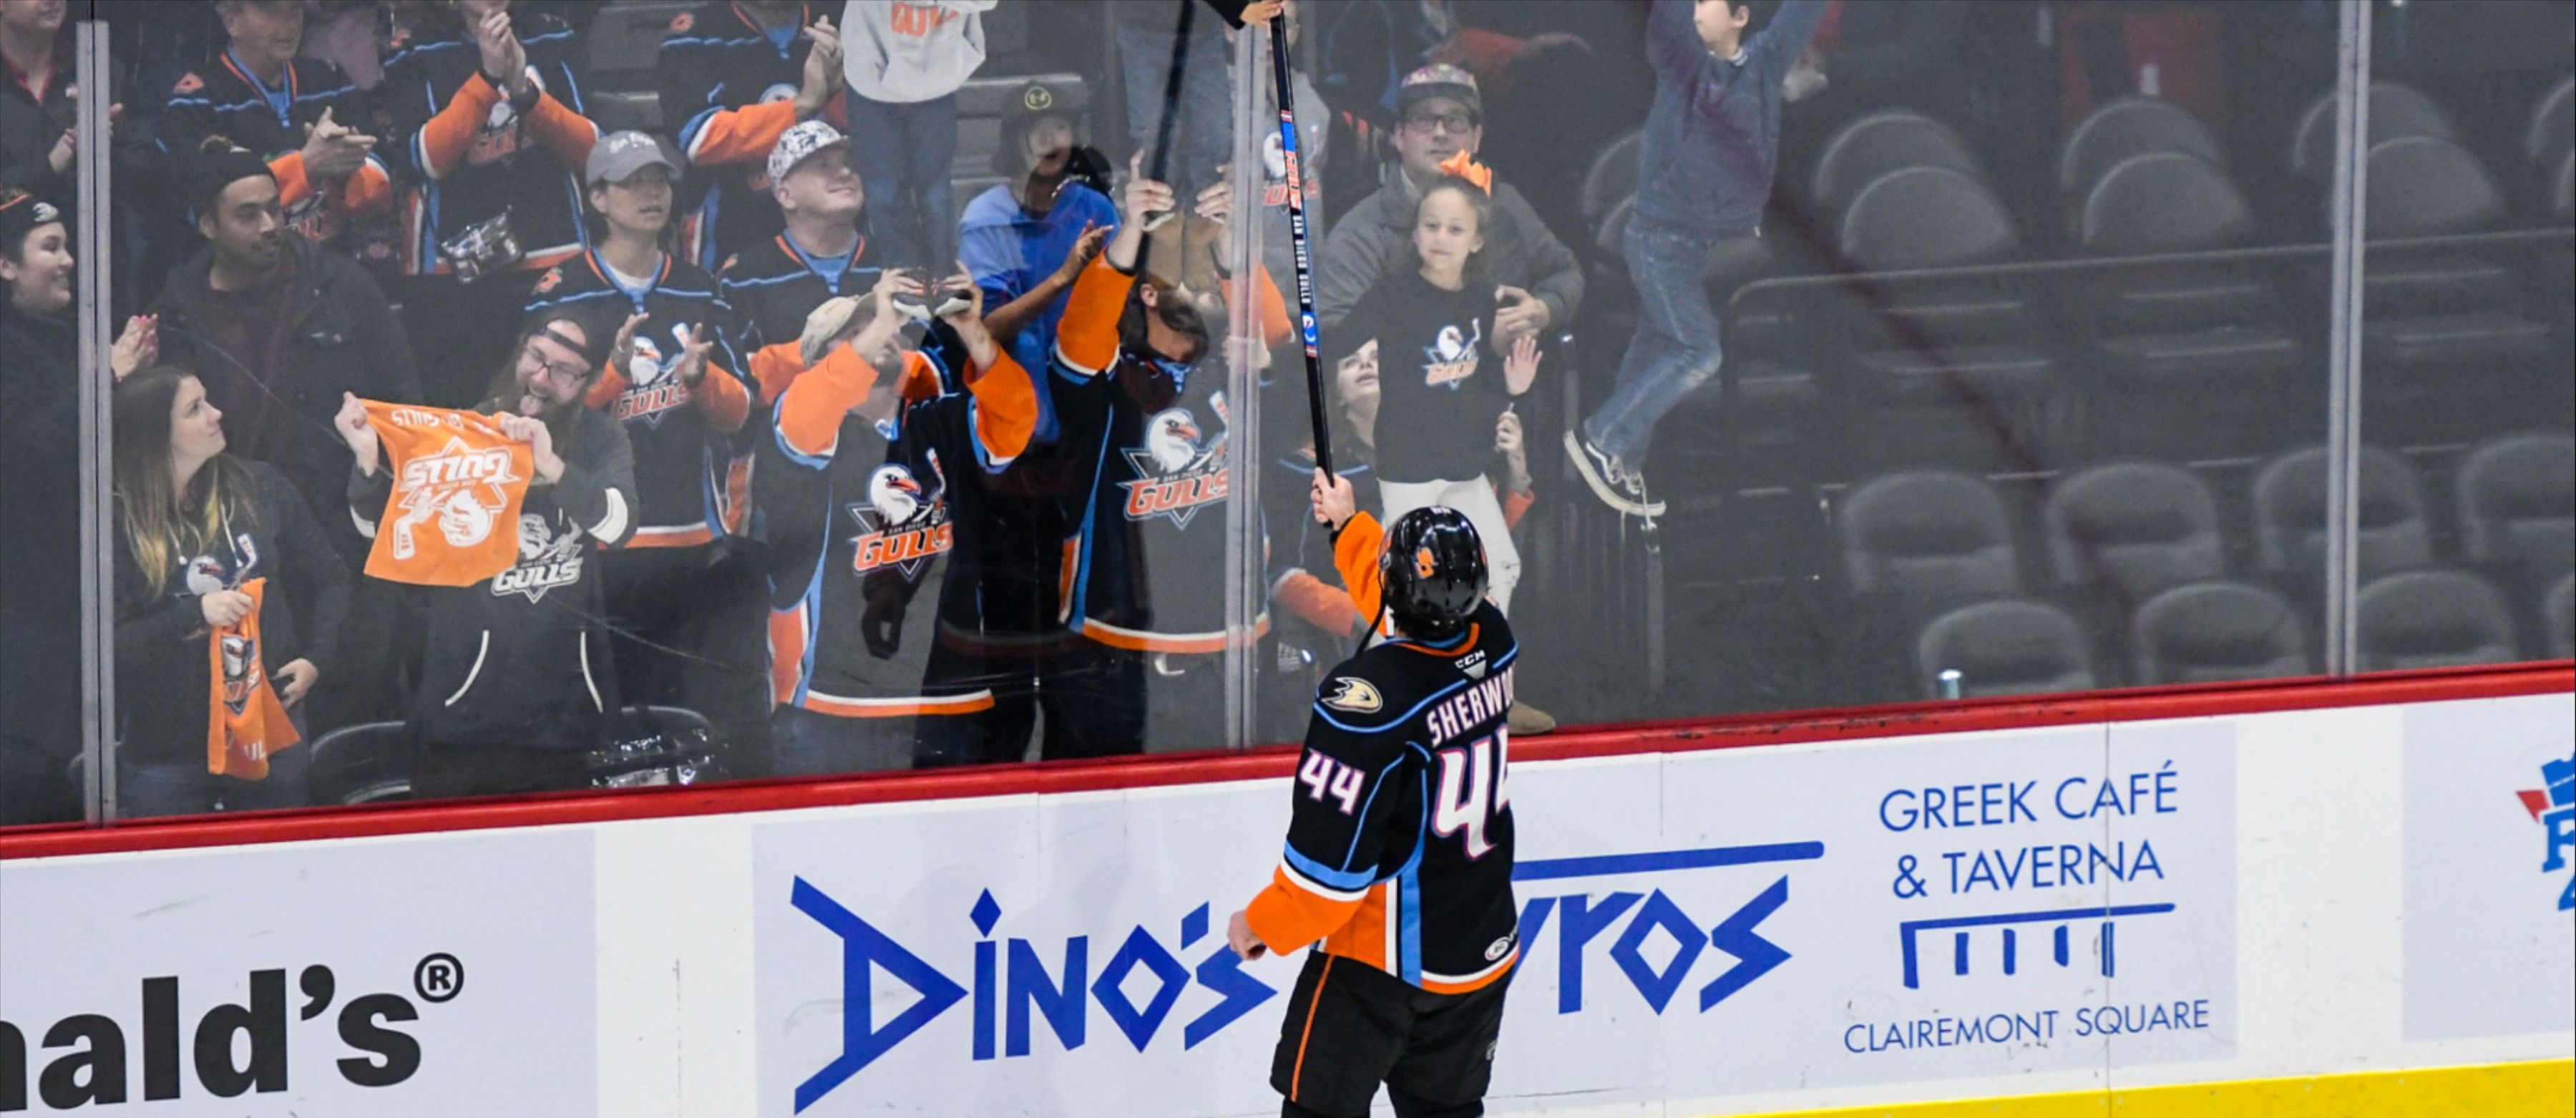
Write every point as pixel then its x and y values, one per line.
pixel 1434 571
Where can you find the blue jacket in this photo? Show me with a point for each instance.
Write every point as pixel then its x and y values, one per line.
pixel 1712 141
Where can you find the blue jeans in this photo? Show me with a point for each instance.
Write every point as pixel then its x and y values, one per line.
pixel 903 153
pixel 1204 135
pixel 186 788
pixel 1676 346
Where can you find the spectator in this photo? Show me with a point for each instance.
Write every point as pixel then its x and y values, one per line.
pixel 734 75
pixel 686 598
pixel 820 255
pixel 354 35
pixel 279 329
pixel 39 463
pixel 487 111
pixel 876 499
pixel 195 527
pixel 1704 171
pixel 512 693
pixel 36 101
pixel 303 115
pixel 1173 60
pixel 1020 237
pixel 903 61
pixel 1439 118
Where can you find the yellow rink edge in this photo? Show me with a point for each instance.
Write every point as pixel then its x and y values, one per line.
pixel 2535 1089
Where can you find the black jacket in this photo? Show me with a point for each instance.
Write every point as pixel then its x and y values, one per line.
pixel 522 658
pixel 39 554
pixel 164 692
pixel 347 339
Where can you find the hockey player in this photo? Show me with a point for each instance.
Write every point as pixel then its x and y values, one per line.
pixel 1399 856
pixel 871 502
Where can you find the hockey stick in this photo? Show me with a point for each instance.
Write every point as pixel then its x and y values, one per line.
pixel 1307 325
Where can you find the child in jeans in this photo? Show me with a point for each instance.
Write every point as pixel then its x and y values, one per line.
pixel 1704 170
pixel 904 61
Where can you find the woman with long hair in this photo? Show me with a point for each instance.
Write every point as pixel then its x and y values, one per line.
pixel 193 526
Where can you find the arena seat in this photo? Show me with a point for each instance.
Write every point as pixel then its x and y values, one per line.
pixel 2209 632
pixel 2395 111
pixel 2190 359
pixel 1866 149
pixel 2013 646
pixel 1928 540
pixel 2127 127
pixel 1612 179
pixel 1944 369
pixel 2443 333
pixel 2122 532
pixel 2290 516
pixel 2558 618
pixel 2551 135
pixel 2517 507
pixel 2430 619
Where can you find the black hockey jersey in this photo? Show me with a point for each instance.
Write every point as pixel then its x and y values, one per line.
pixel 1400 837
pixel 728 90
pixel 222 98
pixel 683 436
pixel 1150 442
pixel 472 154
pixel 873 537
pixel 773 285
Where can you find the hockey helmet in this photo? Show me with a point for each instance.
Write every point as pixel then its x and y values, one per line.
pixel 1433 571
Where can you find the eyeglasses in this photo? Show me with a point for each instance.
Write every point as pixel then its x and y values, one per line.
pixel 565 371
pixel 1460 123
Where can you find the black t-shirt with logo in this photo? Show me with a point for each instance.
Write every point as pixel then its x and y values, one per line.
pixel 1440 385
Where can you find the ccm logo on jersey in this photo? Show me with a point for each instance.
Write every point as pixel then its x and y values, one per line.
pixel 1355 695
pixel 1179 469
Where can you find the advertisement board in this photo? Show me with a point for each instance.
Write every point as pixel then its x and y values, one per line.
pixel 1936 908
pixel 2490 825
pixel 398 979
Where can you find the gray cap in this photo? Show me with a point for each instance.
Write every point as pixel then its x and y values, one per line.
pixel 618 155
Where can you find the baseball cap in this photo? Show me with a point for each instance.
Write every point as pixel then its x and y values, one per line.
pixel 1037 99
pixel 1439 80
pixel 20 214
pixel 618 155
pixel 802 142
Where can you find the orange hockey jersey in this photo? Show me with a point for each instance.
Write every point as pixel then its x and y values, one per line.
pixel 453 519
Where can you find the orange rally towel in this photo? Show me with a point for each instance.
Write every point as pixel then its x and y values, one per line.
pixel 248 722
pixel 453 519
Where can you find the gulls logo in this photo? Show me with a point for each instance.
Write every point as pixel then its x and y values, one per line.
pixel 903 525
pixel 548 558
pixel 499 138
pixel 653 388
pixel 460 490
pixel 239 653
pixel 1356 695
pixel 1451 358
pixel 1179 469
pixel 209 573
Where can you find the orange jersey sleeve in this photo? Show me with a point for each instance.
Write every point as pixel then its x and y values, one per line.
pixel 1321 605
pixel 1287 915
pixel 1086 337
pixel 721 395
pixel 612 384
pixel 1006 408
pixel 1516 504
pixel 811 408
pixel 445 137
pixel 741 135
pixel 568 134
pixel 370 190
pixel 293 187
pixel 1275 328
pixel 1355 554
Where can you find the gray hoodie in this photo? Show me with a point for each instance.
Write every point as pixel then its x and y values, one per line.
pixel 906 51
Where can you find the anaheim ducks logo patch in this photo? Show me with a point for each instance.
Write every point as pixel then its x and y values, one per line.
pixel 1355 695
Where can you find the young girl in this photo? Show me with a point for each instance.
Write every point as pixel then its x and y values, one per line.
pixel 1442 390
pixel 193 526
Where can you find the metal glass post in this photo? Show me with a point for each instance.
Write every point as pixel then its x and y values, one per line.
pixel 97 335
pixel 2343 335
pixel 1245 584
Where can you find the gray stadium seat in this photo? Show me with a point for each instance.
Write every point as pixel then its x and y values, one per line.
pixel 2131 529
pixel 2210 632
pixel 1929 540
pixel 2443 329
pixel 2010 647
pixel 2558 616
pixel 1866 149
pixel 2430 619
pixel 2517 507
pixel 2126 127
pixel 2290 516
pixel 1613 177
pixel 2551 135
pixel 2395 111
pixel 2562 192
